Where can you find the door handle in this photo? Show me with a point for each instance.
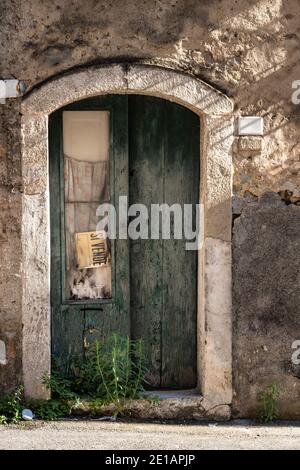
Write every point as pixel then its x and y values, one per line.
pixel 95 309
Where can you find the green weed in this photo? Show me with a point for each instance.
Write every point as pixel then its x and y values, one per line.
pixel 112 371
pixel 11 407
pixel 269 400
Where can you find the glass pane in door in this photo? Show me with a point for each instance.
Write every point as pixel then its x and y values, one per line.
pixel 86 185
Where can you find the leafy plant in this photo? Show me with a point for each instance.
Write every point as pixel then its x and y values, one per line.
pixel 62 397
pixel 60 387
pixel 112 371
pixel 11 407
pixel 270 403
pixel 49 410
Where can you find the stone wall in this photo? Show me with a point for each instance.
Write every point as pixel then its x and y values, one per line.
pixel 10 244
pixel 266 299
pixel 247 48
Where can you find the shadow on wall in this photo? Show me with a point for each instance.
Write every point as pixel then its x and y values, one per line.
pixel 53 37
pixel 268 69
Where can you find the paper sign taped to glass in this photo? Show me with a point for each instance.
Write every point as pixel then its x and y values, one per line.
pixel 92 250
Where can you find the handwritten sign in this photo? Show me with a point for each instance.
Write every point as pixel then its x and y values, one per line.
pixel 92 250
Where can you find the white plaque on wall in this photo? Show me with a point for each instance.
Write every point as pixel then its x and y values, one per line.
pixel 250 125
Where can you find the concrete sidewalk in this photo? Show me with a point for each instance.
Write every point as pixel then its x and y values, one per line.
pixel 93 434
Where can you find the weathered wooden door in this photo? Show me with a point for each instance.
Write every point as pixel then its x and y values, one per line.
pixel 164 169
pixel 88 165
pixel 150 288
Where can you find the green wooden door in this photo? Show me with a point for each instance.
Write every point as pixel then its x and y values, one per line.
pixel 154 159
pixel 164 168
pixel 77 322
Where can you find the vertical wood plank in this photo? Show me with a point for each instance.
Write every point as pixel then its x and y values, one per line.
pixel 181 185
pixel 146 144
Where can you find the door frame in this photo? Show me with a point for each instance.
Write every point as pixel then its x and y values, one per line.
pixel 215 110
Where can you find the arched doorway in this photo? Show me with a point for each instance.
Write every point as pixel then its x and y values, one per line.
pixel 214 357
pixel 146 150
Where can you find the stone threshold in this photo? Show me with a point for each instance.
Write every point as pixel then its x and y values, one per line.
pixel 161 405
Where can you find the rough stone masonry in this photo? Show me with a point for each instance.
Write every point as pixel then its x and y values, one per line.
pixel 249 49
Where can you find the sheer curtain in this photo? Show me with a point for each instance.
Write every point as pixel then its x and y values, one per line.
pixel 86 186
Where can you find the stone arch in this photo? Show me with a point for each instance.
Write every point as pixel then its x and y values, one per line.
pixel 216 116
